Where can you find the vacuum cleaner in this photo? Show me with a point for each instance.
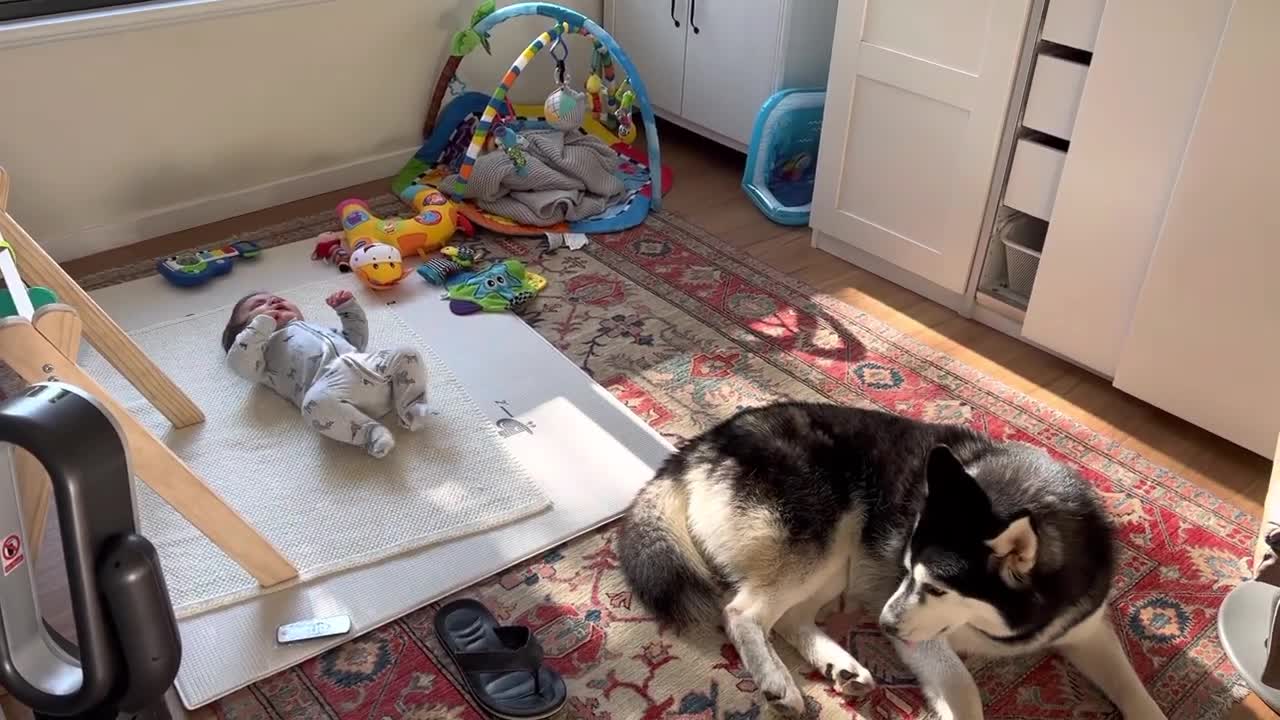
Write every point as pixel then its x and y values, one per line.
pixel 126 650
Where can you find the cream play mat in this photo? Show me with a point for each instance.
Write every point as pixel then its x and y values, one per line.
pixel 327 507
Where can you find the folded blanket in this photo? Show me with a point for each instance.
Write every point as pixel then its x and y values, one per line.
pixel 570 176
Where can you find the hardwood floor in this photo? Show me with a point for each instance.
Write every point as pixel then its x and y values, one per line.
pixel 707 192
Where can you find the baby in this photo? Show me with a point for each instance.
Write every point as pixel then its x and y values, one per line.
pixel 340 387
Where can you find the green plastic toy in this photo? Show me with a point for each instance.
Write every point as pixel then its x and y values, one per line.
pixel 39 296
pixel 504 285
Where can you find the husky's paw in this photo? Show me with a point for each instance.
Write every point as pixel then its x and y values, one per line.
pixel 853 681
pixel 783 694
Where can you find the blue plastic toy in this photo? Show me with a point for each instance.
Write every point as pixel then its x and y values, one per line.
pixel 782 157
pixel 196 268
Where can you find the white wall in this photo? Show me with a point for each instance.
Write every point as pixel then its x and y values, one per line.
pixel 117 137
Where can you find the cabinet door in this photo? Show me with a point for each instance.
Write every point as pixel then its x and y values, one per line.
pixel 1205 339
pixel 652 33
pixel 1126 148
pixel 916 104
pixel 731 61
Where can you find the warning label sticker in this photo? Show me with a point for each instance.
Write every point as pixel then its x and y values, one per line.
pixel 11 553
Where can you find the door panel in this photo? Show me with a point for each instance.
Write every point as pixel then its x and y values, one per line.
pixel 730 63
pixel 915 107
pixel 655 43
pixel 1126 148
pixel 1205 337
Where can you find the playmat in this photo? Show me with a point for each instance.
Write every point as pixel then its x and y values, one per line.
pixel 326 506
pixel 473 123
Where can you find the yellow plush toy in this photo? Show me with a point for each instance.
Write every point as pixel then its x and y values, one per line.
pixel 426 232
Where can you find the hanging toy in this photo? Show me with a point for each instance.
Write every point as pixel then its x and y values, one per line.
pixel 602 61
pixel 513 145
pixel 626 125
pixel 565 108
pixel 599 95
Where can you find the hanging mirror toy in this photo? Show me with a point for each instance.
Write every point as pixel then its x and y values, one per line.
pixel 565 107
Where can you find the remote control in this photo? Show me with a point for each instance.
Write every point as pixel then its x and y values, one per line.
pixel 312 629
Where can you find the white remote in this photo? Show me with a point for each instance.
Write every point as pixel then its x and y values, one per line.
pixel 312 629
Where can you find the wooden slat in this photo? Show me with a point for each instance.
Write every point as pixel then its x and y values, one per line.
pixel 28 353
pixel 104 334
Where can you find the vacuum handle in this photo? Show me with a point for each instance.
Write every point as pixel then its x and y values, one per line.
pixel 92 493
pixel 131 580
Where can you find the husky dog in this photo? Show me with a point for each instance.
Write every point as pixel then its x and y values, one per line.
pixel 962 544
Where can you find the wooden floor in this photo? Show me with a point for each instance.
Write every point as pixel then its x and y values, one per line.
pixel 707 193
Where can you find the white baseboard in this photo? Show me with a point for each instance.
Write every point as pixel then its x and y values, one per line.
pixel 98 238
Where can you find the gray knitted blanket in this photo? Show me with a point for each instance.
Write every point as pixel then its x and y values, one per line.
pixel 570 176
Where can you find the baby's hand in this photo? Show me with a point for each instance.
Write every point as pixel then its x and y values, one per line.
pixel 338 298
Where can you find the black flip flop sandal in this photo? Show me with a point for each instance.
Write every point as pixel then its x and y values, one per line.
pixel 502 665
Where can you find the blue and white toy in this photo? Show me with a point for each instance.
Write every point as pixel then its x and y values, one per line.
pixel 782 157
pixel 197 268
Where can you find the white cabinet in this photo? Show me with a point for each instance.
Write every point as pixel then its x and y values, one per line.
pixel 1126 148
pixel 710 64
pixel 654 40
pixel 916 106
pixel 1204 343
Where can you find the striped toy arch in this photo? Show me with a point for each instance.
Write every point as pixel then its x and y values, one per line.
pixel 567 21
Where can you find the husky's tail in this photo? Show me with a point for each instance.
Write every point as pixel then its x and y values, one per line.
pixel 662 562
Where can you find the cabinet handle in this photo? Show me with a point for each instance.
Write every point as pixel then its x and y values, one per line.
pixel 693 10
pixel 673 13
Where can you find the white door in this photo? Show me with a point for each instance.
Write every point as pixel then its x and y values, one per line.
pixel 1205 339
pixel 1126 148
pixel 915 107
pixel 731 61
pixel 652 33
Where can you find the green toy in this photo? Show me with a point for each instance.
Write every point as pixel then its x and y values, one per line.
pixel 36 296
pixel 504 285
pixel 39 298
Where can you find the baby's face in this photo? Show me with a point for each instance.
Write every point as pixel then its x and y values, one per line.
pixel 277 307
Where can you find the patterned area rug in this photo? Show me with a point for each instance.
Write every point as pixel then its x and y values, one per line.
pixel 685 331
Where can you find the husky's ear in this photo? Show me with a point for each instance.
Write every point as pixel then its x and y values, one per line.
pixel 1014 550
pixel 950 486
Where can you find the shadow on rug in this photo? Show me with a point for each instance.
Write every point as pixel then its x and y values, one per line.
pixel 685 332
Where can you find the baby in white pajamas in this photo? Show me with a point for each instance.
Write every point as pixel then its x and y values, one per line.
pixel 341 389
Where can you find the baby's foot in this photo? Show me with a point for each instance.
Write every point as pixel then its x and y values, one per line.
pixel 414 417
pixel 380 441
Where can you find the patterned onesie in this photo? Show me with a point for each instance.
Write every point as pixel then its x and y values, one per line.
pixel 340 387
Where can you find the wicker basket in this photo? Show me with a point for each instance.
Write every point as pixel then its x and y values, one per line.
pixel 1022 264
pixel 1023 238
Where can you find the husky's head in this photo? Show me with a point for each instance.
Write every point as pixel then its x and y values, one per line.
pixel 968 562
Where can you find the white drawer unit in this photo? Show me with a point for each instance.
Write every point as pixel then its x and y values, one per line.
pixel 1039 139
pixel 1073 23
pixel 1033 179
pixel 1054 98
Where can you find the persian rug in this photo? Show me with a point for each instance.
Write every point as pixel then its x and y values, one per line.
pixel 685 330
pixel 454 478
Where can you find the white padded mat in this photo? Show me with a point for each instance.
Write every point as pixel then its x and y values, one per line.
pixel 586 451
pixel 325 505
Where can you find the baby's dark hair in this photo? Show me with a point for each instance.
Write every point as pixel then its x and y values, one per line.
pixel 236 323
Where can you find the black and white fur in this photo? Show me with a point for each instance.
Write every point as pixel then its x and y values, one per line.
pixel 962 544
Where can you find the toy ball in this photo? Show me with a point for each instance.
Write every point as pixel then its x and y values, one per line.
pixel 565 108
pixel 379 265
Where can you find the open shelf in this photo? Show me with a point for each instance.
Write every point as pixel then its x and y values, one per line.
pixel 1013 256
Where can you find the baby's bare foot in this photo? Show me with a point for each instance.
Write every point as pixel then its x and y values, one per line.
pixel 380 442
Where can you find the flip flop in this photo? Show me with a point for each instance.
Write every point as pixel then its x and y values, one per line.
pixel 502 665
